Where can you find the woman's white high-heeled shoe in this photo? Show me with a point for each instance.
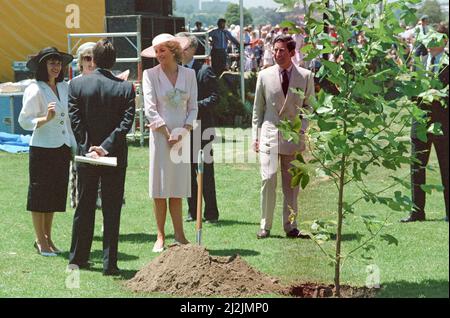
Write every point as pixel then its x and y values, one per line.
pixel 157 249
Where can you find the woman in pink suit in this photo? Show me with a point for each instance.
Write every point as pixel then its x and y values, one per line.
pixel 170 97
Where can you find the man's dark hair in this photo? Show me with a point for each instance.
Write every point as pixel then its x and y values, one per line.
pixel 220 21
pixel 42 73
pixel 104 54
pixel 198 23
pixel 285 39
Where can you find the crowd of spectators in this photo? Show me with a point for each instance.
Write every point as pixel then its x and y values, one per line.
pixel 258 43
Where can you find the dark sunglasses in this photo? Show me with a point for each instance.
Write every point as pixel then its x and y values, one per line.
pixel 87 58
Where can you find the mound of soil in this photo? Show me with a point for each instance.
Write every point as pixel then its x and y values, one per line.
pixel 313 290
pixel 189 270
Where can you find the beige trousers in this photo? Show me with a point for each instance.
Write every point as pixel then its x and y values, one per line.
pixel 269 168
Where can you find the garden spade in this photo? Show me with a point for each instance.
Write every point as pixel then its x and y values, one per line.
pixel 199 196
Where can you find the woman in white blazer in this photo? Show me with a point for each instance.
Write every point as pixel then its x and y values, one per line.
pixel 45 112
pixel 170 98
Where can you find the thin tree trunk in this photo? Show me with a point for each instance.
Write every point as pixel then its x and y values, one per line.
pixel 337 268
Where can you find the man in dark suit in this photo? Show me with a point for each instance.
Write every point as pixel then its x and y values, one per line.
pixel 437 112
pixel 202 136
pixel 101 108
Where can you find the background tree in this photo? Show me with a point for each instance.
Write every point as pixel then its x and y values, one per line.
pixel 232 15
pixel 208 19
pixel 432 8
pixel 263 16
pixel 364 121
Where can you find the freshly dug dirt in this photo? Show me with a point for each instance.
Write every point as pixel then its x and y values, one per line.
pixel 313 290
pixel 189 270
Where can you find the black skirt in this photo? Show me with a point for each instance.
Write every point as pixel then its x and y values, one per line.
pixel 49 178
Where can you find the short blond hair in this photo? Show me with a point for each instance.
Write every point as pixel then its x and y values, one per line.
pixel 175 48
pixel 84 49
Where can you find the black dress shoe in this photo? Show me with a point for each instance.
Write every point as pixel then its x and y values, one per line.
pixel 212 221
pixel 111 272
pixel 190 218
pixel 295 233
pixel 47 254
pixel 413 217
pixel 263 234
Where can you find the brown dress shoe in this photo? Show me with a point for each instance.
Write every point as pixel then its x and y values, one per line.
pixel 413 217
pixel 295 233
pixel 263 234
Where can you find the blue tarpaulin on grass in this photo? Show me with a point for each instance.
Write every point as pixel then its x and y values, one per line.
pixel 14 143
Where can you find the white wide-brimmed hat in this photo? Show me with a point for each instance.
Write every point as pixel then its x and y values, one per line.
pixel 162 38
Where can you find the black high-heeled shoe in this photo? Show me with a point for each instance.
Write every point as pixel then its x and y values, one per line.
pixel 56 251
pixel 46 254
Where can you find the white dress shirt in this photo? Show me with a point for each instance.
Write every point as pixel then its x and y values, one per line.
pixel 57 131
pixel 190 64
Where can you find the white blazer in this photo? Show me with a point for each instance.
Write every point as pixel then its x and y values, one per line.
pixel 157 88
pixel 56 132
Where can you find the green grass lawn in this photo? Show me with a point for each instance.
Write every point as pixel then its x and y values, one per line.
pixel 417 267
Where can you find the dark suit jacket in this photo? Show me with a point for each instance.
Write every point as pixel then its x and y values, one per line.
pixel 101 109
pixel 208 95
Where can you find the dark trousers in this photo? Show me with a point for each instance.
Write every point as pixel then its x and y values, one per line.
pixel 209 186
pixel 112 187
pixel 421 150
pixel 218 61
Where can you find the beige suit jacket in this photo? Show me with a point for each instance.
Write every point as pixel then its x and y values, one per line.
pixel 271 106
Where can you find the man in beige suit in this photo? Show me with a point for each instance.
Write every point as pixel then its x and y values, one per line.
pixel 275 101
